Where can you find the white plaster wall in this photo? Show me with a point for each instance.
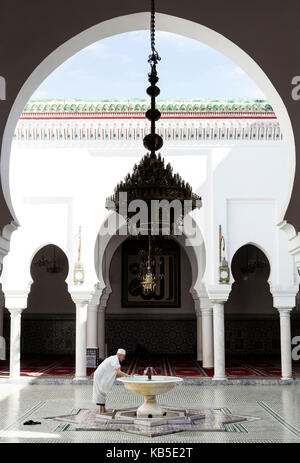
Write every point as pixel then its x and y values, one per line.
pixel 54 190
pixel 246 186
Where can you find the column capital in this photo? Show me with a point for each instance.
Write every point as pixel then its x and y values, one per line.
pixel 199 291
pixel 194 293
pixel 207 311
pixel 293 241
pixel 285 311
pixel 93 307
pixel 219 293
pixel 205 303
pixel 284 297
pixel 104 297
pixel 16 299
pixel 80 296
pixel 198 311
pixel 5 237
pixel 15 312
pixel 97 293
pixel 101 308
pixel 290 290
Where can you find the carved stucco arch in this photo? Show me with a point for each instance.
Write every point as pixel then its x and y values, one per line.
pixel 107 244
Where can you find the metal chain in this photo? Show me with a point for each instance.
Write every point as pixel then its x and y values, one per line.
pixel 154 57
pixel 152 25
pixel 153 140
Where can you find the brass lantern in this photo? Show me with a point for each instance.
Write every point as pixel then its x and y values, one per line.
pixel 78 272
pixel 148 278
pixel 224 272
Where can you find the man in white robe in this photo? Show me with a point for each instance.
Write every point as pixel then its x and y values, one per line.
pixel 105 376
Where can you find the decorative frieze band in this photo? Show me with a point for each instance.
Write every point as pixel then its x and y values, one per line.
pixel 130 130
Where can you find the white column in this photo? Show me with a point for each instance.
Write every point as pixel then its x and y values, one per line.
pixel 92 326
pixel 2 340
pixel 15 302
pixel 101 321
pixel 15 342
pixel 284 300
pixel 92 317
pixel 219 340
pixel 218 295
pixel 1 321
pixel 101 332
pixel 81 298
pixel 207 338
pixel 199 334
pixel 285 343
pixel 2 305
pixel 81 337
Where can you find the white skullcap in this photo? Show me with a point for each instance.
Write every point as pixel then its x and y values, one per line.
pixel 121 351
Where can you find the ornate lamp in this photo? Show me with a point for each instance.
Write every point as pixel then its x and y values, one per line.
pixel 149 280
pixel 148 275
pixel 78 272
pixel 151 179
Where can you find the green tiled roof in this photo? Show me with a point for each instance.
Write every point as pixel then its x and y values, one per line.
pixel 141 105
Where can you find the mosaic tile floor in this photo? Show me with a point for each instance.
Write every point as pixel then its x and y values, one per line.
pixel 275 413
pixel 185 366
pixel 122 420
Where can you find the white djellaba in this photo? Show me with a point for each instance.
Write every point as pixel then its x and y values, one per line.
pixel 105 376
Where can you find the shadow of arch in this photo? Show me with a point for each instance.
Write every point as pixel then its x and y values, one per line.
pixel 165 330
pixel 50 314
pixel 242 249
pixel 249 309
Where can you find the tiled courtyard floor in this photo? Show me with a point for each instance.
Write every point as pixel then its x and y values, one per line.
pixel 276 409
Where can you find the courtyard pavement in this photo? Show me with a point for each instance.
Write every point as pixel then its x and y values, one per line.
pixel 273 411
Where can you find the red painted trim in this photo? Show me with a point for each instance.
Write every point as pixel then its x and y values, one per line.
pixel 170 115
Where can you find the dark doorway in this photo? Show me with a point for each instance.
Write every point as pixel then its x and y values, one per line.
pixel 252 325
pixel 48 323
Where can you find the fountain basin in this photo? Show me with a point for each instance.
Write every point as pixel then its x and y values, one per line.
pixel 150 389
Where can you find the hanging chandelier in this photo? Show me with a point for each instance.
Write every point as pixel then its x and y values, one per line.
pixel 148 276
pixel 151 179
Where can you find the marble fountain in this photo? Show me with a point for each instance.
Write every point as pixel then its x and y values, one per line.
pixel 150 386
pixel 151 419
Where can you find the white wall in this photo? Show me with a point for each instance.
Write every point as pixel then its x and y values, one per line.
pixel 243 184
pixel 246 186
